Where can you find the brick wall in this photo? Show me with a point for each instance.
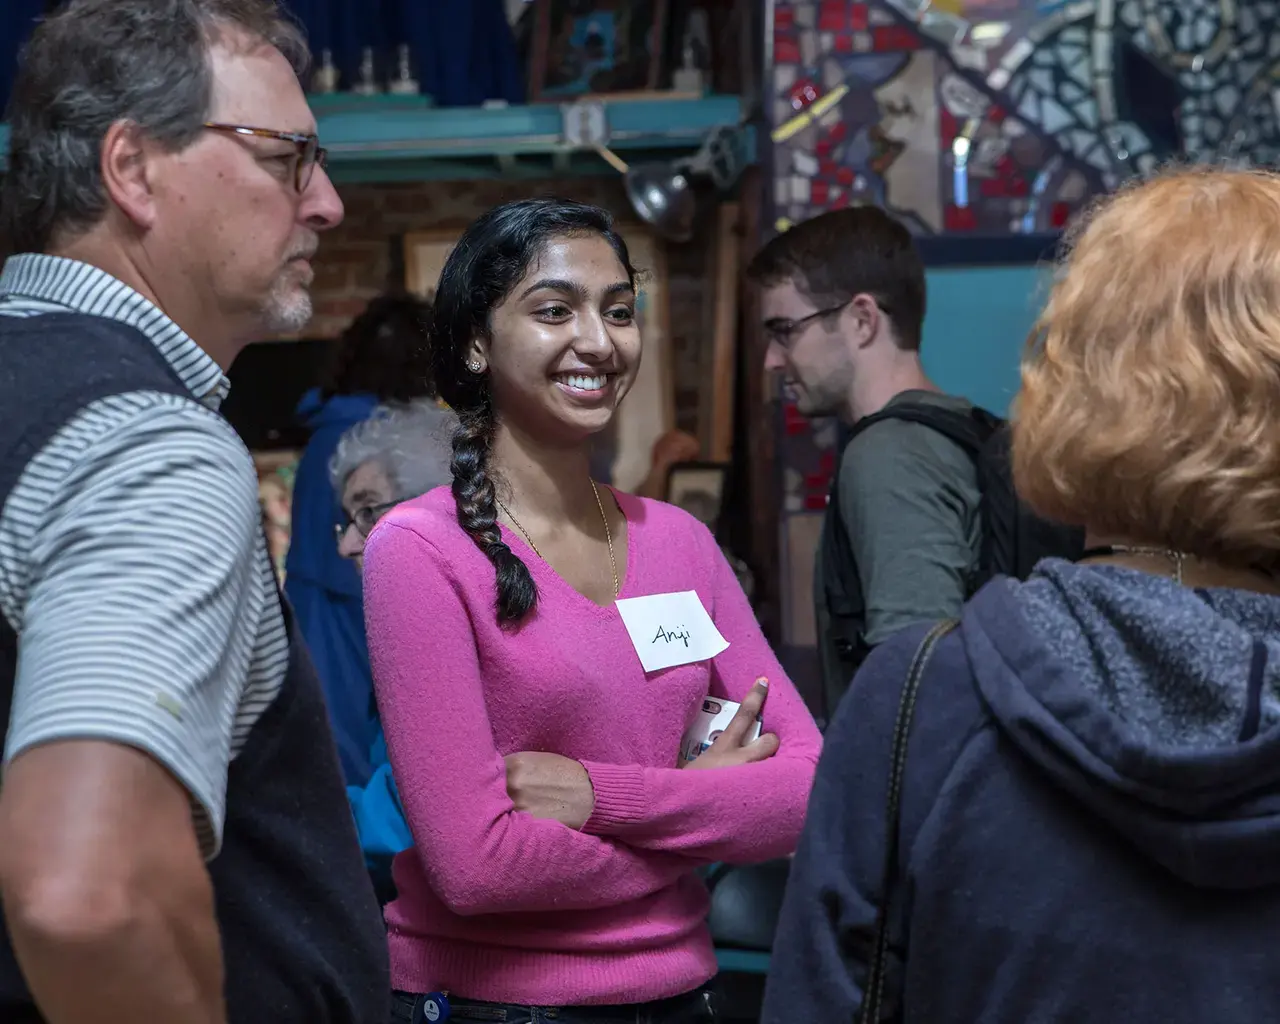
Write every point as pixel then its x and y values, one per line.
pixel 363 257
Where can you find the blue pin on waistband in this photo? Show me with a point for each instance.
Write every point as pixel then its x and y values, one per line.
pixel 435 1008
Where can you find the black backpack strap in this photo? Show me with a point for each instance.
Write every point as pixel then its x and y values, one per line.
pixel 873 992
pixel 970 429
pixel 842 586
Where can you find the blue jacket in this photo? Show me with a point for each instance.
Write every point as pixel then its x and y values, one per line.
pixel 324 587
pixel 1090 815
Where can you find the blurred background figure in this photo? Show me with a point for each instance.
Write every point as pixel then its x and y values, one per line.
pixel 378 360
pixel 398 453
pixel 670 449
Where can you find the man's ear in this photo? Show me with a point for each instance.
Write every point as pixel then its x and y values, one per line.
pixel 128 167
pixel 864 314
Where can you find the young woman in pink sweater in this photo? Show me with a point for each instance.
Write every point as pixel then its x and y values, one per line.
pixel 555 837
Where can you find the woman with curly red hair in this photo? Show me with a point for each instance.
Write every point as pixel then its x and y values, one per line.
pixel 1086 825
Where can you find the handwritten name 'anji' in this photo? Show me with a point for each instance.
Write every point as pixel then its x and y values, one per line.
pixel 667 635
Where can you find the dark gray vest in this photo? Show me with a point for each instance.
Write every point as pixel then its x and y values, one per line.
pixel 302 935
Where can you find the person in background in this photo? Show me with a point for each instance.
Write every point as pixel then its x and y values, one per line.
pixel 379 358
pixel 175 842
pixel 398 453
pixel 556 842
pixel 843 301
pixel 1090 807
pixel 670 449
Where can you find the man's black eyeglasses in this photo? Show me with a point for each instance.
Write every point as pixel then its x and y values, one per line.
pixel 781 332
pixel 364 519
pixel 310 153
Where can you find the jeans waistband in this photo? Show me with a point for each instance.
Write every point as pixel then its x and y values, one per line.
pixel 691 1008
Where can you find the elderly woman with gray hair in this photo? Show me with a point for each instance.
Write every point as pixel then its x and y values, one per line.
pixel 398 453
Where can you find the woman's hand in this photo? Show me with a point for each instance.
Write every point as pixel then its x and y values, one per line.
pixel 731 747
pixel 550 786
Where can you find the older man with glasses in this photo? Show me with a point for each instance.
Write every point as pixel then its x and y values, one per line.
pixel 174 841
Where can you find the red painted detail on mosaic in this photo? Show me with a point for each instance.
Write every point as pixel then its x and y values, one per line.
pixel 959 218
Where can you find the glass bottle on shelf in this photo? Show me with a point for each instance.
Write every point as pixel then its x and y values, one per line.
pixel 367 76
pixel 326 77
pixel 691 76
pixel 404 82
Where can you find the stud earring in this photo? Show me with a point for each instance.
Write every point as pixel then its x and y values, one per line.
pixel 475 366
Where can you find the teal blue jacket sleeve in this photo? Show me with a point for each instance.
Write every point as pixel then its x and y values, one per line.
pixel 377 810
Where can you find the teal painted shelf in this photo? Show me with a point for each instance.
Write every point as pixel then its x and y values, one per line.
pixel 398 138
pixel 742 961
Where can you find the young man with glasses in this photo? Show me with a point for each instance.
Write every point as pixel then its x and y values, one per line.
pixel 843 301
pixel 174 840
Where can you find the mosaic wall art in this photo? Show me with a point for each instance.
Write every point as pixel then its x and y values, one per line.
pixel 1004 117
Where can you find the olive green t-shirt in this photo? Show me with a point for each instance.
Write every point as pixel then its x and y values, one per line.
pixel 909 499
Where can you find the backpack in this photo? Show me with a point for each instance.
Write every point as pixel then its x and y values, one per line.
pixel 1013 538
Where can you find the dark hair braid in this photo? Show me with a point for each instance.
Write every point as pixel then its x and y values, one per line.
pixel 473 491
pixel 491 258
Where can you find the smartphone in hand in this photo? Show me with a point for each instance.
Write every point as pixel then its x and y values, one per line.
pixel 710 722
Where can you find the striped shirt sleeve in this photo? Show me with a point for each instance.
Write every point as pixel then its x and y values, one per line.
pixel 141 598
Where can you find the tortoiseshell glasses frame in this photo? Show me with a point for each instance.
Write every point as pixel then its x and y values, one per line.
pixel 310 153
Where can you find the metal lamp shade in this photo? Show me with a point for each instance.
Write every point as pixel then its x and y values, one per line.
pixel 663 198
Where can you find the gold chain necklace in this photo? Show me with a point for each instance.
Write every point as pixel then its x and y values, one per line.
pixel 1178 558
pixel 608 534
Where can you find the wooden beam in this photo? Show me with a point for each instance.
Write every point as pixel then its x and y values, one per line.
pixel 724 332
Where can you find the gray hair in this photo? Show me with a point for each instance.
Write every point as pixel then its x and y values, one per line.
pixel 98 62
pixel 410 442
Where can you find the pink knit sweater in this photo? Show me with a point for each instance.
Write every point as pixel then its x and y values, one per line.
pixel 495 904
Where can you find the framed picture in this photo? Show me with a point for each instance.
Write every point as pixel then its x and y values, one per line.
pixel 596 46
pixel 276 471
pixel 424 256
pixel 698 488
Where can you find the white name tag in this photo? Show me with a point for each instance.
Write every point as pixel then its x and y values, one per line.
pixel 670 629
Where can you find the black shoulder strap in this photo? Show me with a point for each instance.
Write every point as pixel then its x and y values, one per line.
pixel 873 993
pixel 970 428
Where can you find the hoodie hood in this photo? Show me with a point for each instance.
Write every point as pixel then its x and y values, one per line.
pixel 341 411
pixel 1133 694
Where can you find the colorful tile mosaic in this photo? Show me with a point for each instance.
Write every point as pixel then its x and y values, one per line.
pixel 1004 117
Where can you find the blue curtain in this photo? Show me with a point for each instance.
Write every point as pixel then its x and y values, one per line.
pixel 464 49
pixel 16 19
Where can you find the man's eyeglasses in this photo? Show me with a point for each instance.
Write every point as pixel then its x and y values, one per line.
pixel 310 153
pixel 783 332
pixel 364 519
